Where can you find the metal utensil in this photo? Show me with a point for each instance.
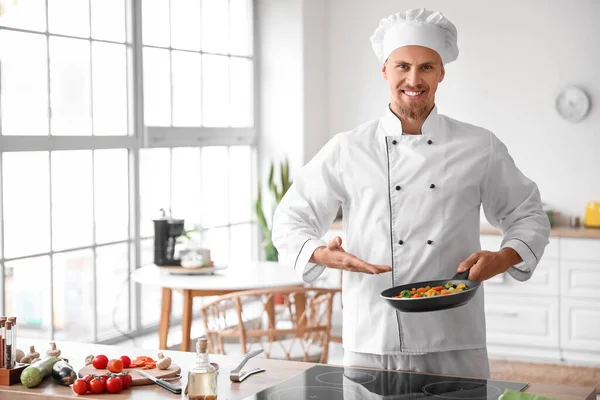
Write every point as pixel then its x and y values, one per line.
pixel 161 382
pixel 237 375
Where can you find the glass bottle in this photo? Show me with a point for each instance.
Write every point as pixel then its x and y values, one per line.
pixel 13 321
pixel 2 337
pixel 202 377
pixel 8 346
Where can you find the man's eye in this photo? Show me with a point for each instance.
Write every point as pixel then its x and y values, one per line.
pixel 402 66
pixel 427 67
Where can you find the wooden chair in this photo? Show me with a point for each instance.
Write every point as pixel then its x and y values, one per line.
pixel 297 328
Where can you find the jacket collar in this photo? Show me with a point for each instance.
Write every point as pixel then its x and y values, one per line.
pixel 431 129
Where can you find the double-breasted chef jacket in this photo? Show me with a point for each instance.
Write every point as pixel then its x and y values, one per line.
pixel 411 202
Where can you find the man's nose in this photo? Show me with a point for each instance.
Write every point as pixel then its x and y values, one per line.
pixel 413 78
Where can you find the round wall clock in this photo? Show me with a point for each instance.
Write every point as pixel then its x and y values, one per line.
pixel 573 104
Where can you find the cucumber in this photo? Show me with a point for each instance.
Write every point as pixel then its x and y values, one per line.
pixel 33 375
pixel 63 373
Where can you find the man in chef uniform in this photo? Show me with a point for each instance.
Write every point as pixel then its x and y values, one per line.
pixel 411 185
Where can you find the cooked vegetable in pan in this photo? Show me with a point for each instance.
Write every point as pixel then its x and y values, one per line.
pixel 428 291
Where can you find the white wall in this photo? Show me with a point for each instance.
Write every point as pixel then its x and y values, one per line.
pixel 515 56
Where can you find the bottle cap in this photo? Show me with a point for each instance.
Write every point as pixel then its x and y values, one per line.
pixel 202 345
pixel 8 325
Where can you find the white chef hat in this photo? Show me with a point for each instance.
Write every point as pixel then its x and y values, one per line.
pixel 417 27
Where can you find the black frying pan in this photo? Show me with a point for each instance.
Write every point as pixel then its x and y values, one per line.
pixel 436 303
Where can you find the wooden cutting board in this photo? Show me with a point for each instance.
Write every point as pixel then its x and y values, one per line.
pixel 137 379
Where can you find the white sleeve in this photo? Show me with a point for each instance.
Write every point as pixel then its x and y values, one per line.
pixel 307 210
pixel 512 203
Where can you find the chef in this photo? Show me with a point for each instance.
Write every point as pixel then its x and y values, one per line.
pixel 411 185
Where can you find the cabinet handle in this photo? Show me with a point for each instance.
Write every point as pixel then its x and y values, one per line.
pixel 505 314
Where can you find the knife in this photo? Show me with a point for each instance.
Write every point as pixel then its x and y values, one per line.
pixel 161 382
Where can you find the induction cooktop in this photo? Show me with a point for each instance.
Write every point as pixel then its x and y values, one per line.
pixel 323 382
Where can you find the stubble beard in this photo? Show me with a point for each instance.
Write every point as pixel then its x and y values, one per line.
pixel 416 110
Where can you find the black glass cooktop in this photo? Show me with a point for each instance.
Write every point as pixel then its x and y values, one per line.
pixel 331 383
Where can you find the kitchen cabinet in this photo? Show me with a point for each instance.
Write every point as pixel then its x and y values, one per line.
pixel 555 315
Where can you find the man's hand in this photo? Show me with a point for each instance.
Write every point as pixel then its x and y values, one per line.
pixel 334 256
pixel 486 264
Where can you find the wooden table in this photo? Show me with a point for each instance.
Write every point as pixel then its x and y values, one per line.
pixel 251 275
pixel 276 371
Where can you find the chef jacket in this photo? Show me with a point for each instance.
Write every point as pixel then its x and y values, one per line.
pixel 411 202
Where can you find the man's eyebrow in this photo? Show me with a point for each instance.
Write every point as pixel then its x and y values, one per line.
pixel 407 63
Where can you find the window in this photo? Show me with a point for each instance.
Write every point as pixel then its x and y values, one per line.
pixel 111 110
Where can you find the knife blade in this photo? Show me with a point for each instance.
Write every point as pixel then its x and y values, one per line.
pixel 160 382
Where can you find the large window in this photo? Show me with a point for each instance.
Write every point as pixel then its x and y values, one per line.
pixel 111 110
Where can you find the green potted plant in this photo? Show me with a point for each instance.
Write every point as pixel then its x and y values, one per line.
pixel 278 186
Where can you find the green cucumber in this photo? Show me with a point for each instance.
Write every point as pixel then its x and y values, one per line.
pixel 36 372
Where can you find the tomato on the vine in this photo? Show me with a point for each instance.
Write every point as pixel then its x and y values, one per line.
pixel 80 386
pixel 114 385
pixel 97 385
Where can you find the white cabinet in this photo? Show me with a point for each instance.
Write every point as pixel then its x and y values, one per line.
pixel 555 315
pixel 522 320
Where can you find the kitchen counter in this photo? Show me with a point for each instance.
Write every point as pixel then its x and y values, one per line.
pixel 276 371
pixel 559 231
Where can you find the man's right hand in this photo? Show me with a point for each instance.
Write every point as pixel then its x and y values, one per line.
pixel 334 256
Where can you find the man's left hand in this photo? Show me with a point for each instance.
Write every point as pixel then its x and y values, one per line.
pixel 486 264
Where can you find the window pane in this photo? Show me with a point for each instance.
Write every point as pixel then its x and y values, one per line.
pixel 215 90
pixel 155 22
pixel 187 89
pixel 26 196
pixel 217 240
pixel 241 242
pixel 185 24
pixel 73 294
pixel 111 193
pixel 215 26
pixel 215 166
pixel 110 88
pixel 72 215
pixel 70 86
pixel 186 189
pixel 69 17
pixel 240 27
pixel 241 203
pixel 112 289
pixel 24 94
pixel 157 87
pixel 28 296
pixel 27 14
pixel 155 184
pixel 242 92
pixel 108 20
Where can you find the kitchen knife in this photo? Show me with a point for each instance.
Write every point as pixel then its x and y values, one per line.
pixel 160 382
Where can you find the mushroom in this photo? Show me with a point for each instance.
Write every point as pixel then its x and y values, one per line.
pixel 89 359
pixel 163 362
pixel 54 352
pixel 28 359
pixel 19 355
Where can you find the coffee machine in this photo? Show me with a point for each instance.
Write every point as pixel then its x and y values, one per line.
pixel 166 232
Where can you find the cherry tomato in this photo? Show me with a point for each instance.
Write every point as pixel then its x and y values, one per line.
pixel 115 366
pixel 80 386
pixel 96 386
pixel 103 378
pixel 114 385
pixel 100 362
pixel 88 378
pixel 126 379
pixel 126 361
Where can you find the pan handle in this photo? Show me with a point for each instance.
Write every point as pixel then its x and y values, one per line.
pixel 462 276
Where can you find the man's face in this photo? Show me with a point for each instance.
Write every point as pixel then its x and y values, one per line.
pixel 413 73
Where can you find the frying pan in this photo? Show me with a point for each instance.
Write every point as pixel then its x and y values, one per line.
pixel 436 303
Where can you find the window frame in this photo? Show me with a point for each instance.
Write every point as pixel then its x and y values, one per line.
pixel 139 136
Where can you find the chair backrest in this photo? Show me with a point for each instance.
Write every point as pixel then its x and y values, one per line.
pixel 297 317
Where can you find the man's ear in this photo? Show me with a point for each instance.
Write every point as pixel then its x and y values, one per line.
pixel 443 74
pixel 384 71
